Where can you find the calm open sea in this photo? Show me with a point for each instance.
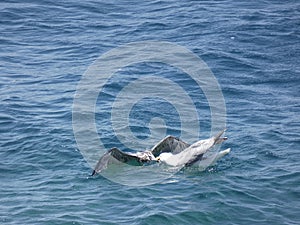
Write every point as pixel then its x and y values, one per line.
pixel 253 49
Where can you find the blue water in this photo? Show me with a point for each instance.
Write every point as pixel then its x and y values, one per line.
pixel 253 48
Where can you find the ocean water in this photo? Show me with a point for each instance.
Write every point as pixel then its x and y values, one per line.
pixel 253 49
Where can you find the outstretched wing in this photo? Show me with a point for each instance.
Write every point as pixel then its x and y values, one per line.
pixel 115 155
pixel 169 144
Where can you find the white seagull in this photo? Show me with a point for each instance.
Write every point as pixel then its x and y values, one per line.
pixel 194 152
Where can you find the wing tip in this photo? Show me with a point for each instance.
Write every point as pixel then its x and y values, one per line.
pixel 94 173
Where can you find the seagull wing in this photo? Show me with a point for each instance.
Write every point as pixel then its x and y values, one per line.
pixel 169 144
pixel 115 155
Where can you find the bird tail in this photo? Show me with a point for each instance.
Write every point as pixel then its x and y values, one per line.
pixel 220 155
pixel 218 139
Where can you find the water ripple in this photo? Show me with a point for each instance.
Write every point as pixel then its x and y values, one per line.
pixel 253 50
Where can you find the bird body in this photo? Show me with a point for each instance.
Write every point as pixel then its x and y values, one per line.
pixel 192 153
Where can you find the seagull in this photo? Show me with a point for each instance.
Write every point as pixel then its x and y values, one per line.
pixel 170 150
pixel 194 152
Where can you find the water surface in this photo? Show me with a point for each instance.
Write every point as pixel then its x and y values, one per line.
pixel 252 48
